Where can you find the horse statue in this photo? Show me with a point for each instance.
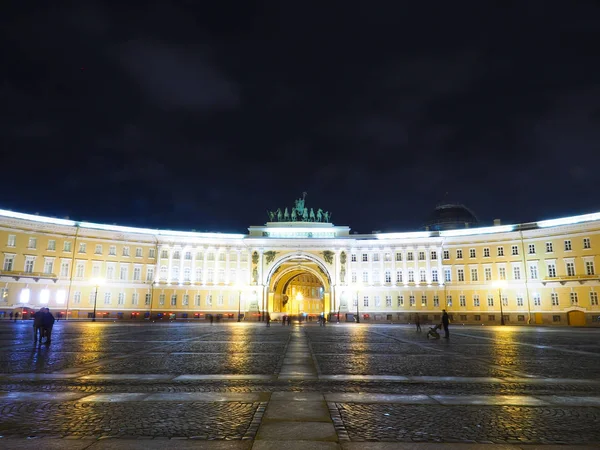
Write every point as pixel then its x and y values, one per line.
pixel 312 215
pixel 319 215
pixel 305 215
pixel 286 215
pixel 327 216
pixel 271 215
pixel 293 214
pixel 278 212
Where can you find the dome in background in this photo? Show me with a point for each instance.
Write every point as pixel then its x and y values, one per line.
pixel 451 216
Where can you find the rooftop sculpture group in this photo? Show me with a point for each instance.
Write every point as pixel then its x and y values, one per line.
pixel 299 213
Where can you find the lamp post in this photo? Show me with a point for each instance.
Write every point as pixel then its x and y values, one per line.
pixel 240 307
pixel 500 284
pixel 357 312
pixel 97 282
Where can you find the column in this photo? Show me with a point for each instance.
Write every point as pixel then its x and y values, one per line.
pixel 205 266
pixel 428 264
pixel 170 265
pixel 227 280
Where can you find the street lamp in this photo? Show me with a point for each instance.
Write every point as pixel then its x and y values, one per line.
pixel 357 313
pixel 240 307
pixel 97 282
pixel 500 284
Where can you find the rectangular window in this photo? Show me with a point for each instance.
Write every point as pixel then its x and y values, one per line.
pixel 436 301
pixel 422 276
pixel 531 249
pixel 148 299
pixel 197 300
pixel 125 251
pixel 121 298
pixel 354 278
pixel 500 251
pixel 490 299
pixel 353 257
pixel 164 254
pixel 458 254
pixel 138 252
pixel 80 270
pixel 533 272
pixel 112 250
pixel 48 266
pixel 567 246
pixel 411 300
pixel 421 256
pixel 400 300
pixel 423 300
pixel 504 300
pixel 447 275
pixel 472 253
pixel 96 270
pixel 82 247
pixel 67 246
pixel 461 274
pixel 110 272
pixel 446 254
pixel 388 256
pixel 137 273
pixel 502 273
pixel 29 265
pixel 398 276
pixel 549 247
pixel 188 255
pixel 149 273
pixel 377 301
pixel 98 250
pixel 474 275
pixel 434 275
pixel 411 276
pixel 409 256
pixel 433 255
pixel 151 253
pixel 537 300
pixel 515 250
pixel 519 299
pixel 476 300
pixel 487 273
pixel 161 300
pixel 64 268
pixel 388 301
pixel 570 269
pixel 551 270
pixel 593 298
pixel 12 241
pixel 365 277
pixel 574 299
pixel 375 256
pixel 366 300
pixel 32 243
pixel 77 297
pixel 555 318
pixel 587 243
pixel 174 300
pixel 449 300
pixel 186 300
pixel 486 252
pixel 388 276
pixel 365 257
pixel 398 256
pixel 107 298
pixel 554 298
pixel 589 267
pixel 516 273
pixel 462 300
pixel 123 273
pixel 135 297
pixel 51 245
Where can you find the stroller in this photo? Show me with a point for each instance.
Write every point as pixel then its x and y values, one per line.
pixel 433 333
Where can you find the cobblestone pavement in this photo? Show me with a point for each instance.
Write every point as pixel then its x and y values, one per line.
pixel 143 380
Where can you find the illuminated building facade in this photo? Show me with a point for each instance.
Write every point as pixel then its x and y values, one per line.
pixel 533 273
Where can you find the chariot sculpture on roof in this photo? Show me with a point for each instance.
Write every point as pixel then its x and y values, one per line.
pixel 299 213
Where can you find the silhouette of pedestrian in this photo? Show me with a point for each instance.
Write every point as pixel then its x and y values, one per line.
pixel 268 319
pixel 38 331
pixel 11 315
pixel 445 323
pixel 418 321
pixel 16 316
pixel 47 324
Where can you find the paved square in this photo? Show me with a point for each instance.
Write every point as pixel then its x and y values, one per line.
pixel 337 385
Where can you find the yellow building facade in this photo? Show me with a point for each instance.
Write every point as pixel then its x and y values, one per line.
pixel 525 274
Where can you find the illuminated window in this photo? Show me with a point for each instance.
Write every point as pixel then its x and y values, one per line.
pixel 138 252
pixel 8 262
pixel 593 298
pixel 436 301
pixel 476 300
pixel 500 251
pixel 61 296
pixel 589 268
pixel 449 300
pixel 98 250
pixel 44 296
pixel 29 262
pixel 388 257
pixel 174 300
pixel 32 243
pixel 24 296
pixel 554 298
pixel 573 296
pixel 12 241
pixel 82 247
pixel 551 270
pixel 51 245
pixel 423 300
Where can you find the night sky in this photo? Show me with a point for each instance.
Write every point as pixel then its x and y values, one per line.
pixel 204 115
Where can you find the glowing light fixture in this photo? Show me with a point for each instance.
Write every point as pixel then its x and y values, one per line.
pixel 61 296
pixel 24 296
pixel 44 296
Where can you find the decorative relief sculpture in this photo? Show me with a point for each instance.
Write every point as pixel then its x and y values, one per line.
pixel 299 212
pixel 328 256
pixel 270 256
pixel 343 274
pixel 255 258
pixel 343 258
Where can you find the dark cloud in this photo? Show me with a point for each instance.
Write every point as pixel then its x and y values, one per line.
pixel 190 115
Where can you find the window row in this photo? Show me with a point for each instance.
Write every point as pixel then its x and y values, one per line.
pixel 199 275
pixel 410 256
pixel 514 249
pixel 210 256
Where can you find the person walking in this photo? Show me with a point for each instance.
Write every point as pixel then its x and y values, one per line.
pixel 445 323
pixel 38 331
pixel 268 320
pixel 11 315
pixel 47 324
pixel 16 316
pixel 418 321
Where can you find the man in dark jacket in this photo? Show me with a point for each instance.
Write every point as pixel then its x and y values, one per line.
pixel 445 323
pixel 37 325
pixel 47 324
